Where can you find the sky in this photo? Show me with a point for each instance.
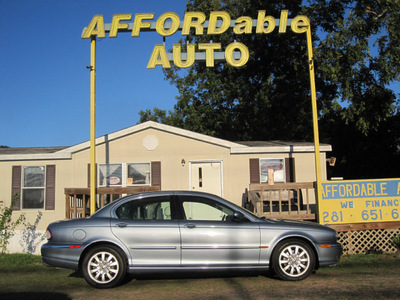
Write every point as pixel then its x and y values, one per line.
pixel 44 82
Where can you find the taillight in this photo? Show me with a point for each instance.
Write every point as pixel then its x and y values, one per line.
pixel 49 235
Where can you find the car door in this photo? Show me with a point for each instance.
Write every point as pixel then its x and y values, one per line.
pixel 210 236
pixel 149 229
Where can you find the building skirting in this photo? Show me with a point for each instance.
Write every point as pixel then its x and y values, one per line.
pixel 27 241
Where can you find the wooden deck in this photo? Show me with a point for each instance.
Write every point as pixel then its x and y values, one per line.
pixel 282 200
pixel 77 200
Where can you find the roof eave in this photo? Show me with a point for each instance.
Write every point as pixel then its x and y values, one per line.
pixel 278 149
pixel 152 125
pixel 40 156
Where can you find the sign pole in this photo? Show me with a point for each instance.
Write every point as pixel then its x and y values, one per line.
pixel 315 118
pixel 93 125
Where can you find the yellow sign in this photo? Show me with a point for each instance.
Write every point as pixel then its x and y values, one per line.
pixel 196 22
pixel 360 201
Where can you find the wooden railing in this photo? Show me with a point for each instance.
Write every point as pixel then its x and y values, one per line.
pixel 282 200
pixel 77 200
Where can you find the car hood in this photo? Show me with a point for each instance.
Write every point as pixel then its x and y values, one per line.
pixel 296 224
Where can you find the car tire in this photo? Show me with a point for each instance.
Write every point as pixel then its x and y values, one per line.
pixel 104 267
pixel 293 260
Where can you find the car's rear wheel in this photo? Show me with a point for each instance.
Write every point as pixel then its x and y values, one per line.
pixel 104 267
pixel 293 260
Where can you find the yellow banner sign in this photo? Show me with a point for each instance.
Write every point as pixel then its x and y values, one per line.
pixel 360 201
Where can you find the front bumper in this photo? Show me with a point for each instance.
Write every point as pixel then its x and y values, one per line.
pixel 329 256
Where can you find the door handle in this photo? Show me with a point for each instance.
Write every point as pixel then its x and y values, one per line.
pixel 190 225
pixel 121 225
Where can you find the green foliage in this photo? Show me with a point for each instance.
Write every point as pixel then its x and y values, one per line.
pixel 396 242
pixel 7 225
pixel 265 99
pixel 360 55
pixel 157 115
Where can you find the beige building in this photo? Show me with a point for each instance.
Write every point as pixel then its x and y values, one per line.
pixel 144 155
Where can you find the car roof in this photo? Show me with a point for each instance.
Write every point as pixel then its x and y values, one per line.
pixel 105 211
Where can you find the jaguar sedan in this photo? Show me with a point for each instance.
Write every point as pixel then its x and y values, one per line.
pixel 185 231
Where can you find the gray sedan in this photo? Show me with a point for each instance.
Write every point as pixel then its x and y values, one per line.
pixel 179 230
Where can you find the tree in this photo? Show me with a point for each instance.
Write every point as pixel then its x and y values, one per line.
pixel 360 55
pixel 357 56
pixel 157 115
pixel 263 100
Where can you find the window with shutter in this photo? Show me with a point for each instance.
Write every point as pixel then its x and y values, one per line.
pixel 35 186
pixel 284 169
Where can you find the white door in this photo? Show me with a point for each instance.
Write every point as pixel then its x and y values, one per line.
pixel 206 177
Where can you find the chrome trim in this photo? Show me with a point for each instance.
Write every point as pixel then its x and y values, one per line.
pixel 217 247
pixel 154 248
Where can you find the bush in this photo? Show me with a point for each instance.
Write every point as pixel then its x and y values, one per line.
pixel 396 242
pixel 7 225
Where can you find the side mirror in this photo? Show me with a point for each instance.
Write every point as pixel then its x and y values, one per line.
pixel 238 217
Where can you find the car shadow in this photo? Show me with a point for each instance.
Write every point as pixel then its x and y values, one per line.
pixel 76 274
pixel 189 275
pixel 196 275
pixel 34 296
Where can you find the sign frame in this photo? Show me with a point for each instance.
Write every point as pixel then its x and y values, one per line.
pixel 360 201
pixel 299 24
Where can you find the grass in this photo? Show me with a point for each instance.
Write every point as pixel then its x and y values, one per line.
pixel 9 261
pixel 356 276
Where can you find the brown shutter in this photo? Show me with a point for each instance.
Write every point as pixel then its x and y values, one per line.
pixel 254 170
pixel 50 187
pixel 156 173
pixel 290 169
pixel 88 178
pixel 16 186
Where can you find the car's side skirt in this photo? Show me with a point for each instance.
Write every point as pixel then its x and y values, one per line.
pixel 201 268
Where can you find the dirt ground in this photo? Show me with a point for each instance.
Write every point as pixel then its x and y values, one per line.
pixel 376 278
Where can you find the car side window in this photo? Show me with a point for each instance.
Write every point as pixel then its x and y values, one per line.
pixel 203 209
pixel 158 208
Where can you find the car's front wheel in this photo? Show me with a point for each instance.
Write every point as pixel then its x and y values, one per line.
pixel 293 260
pixel 104 267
